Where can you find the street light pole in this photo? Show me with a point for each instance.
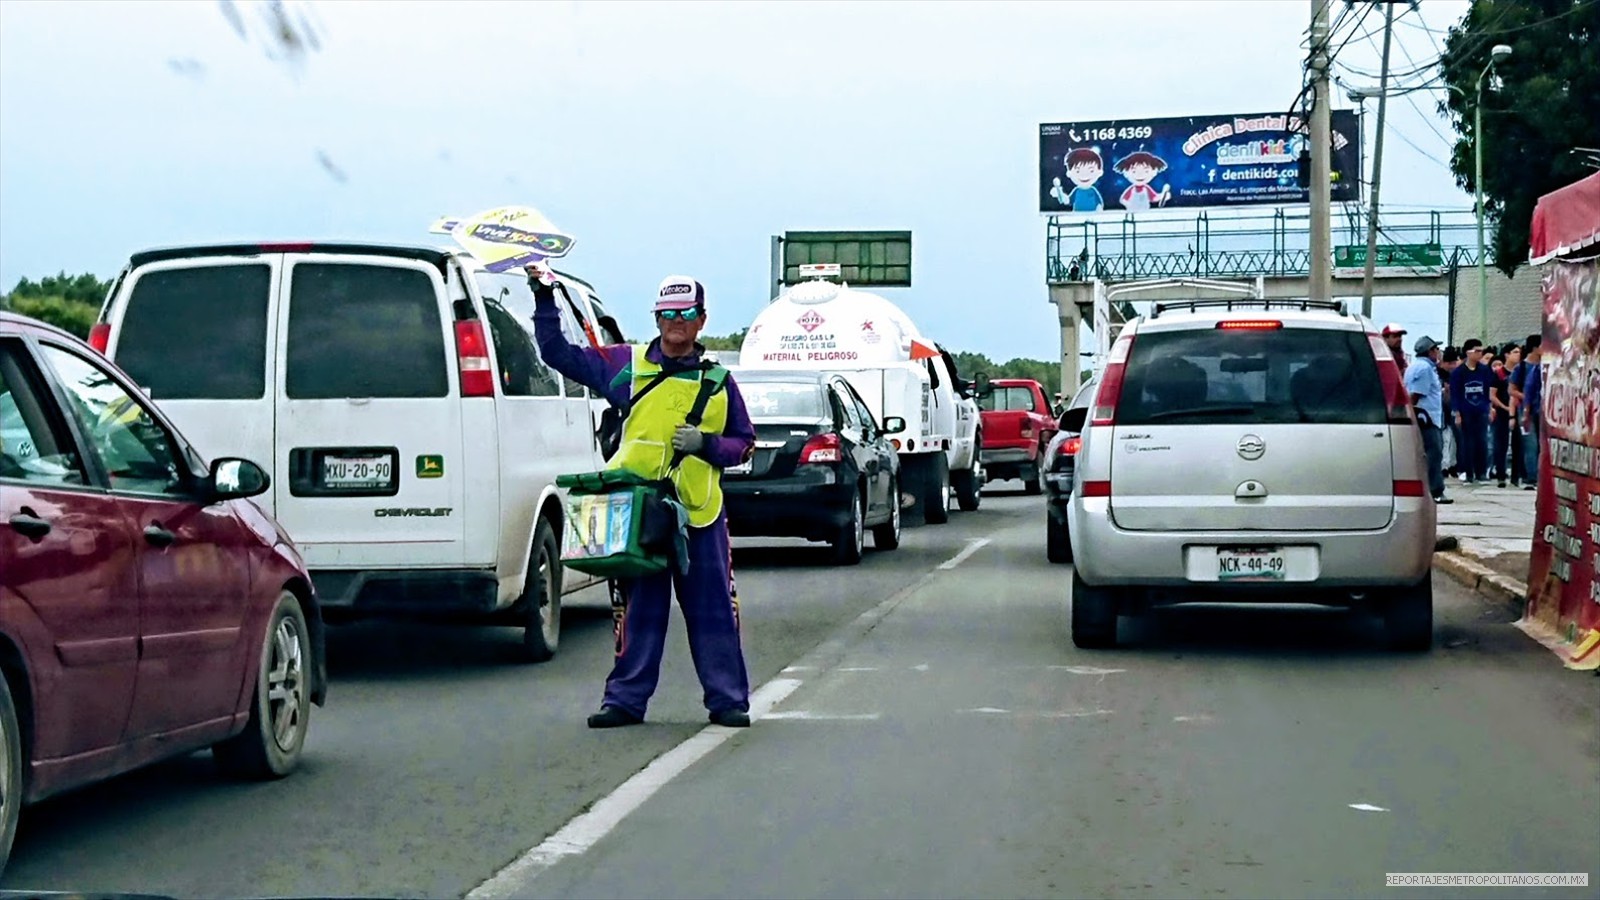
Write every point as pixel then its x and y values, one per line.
pixel 1499 52
pixel 1377 166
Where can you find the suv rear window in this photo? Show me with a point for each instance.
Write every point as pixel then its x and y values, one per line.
pixel 1265 377
pixel 363 331
pixel 198 332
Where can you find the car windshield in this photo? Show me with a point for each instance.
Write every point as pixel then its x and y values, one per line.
pixel 783 399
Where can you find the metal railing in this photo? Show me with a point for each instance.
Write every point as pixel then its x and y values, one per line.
pixel 1235 244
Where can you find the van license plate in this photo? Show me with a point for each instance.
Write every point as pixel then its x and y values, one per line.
pixel 1251 565
pixel 357 472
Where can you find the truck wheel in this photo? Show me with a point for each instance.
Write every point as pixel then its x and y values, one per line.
pixel 969 492
pixel 936 490
pixel 541 596
pixel 887 535
pixel 1032 481
pixel 1057 542
pixel 1094 615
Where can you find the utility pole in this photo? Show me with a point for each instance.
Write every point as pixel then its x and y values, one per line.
pixel 1321 166
pixel 1377 165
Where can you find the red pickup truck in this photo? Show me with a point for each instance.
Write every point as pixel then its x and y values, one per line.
pixel 1018 424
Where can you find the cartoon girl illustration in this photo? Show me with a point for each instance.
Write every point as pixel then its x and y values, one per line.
pixel 1140 168
pixel 1084 168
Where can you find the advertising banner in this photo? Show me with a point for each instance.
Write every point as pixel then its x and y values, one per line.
pixel 1192 161
pixel 1563 594
pixel 508 237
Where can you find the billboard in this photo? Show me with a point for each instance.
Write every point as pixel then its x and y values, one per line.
pixel 1135 165
pixel 865 258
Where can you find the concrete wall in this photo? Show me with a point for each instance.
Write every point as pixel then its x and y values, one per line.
pixel 1515 307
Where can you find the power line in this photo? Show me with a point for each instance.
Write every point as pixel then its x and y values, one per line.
pixel 1425 118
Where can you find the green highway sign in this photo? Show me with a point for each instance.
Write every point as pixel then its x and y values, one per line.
pixel 1406 258
pixel 865 258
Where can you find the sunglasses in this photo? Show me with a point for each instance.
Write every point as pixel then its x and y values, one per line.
pixel 672 315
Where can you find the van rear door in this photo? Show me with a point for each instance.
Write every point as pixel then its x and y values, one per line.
pixel 1259 427
pixel 369 413
pixel 193 332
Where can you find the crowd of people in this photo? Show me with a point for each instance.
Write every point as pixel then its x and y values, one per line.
pixel 1488 407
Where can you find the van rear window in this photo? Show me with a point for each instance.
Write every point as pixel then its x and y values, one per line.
pixel 198 333
pixel 1266 377
pixel 363 331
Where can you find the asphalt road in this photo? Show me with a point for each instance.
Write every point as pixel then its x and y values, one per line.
pixel 934 733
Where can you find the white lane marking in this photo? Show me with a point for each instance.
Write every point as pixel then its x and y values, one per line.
pixel 1086 670
pixel 920 667
pixel 1202 717
pixel 809 716
pixel 1045 714
pixel 973 546
pixel 583 832
pixel 857 669
pixel 1367 807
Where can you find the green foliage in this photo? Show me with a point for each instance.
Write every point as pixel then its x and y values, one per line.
pixel 1544 106
pixel 70 315
pixel 1046 373
pixel 85 288
pixel 730 343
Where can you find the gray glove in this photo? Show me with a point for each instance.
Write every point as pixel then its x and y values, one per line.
pixel 688 439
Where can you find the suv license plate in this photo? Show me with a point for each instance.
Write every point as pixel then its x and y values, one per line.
pixel 357 472
pixel 1251 565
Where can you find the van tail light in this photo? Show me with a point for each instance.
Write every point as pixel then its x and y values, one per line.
pixel 472 354
pixel 1410 487
pixel 1395 398
pixel 100 337
pixel 287 247
pixel 824 448
pixel 1097 488
pixel 1072 445
pixel 1105 400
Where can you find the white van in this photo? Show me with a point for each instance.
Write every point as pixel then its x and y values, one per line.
pixel 414 433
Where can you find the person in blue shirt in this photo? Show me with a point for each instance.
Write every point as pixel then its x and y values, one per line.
pixel 1427 397
pixel 1470 385
pixel 1527 389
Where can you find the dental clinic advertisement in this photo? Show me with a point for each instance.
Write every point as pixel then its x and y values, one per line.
pixel 1137 165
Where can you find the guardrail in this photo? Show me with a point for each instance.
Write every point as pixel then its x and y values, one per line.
pixel 1231 244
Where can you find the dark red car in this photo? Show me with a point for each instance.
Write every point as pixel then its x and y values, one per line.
pixel 147 608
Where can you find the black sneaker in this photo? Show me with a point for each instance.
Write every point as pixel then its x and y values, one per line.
pixel 1441 500
pixel 731 718
pixel 613 717
pixel 1502 483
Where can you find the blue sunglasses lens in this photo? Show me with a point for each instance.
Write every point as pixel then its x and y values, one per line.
pixel 688 315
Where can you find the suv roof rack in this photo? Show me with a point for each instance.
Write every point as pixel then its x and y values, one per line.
pixel 1249 302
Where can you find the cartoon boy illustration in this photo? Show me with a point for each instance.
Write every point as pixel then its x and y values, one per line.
pixel 1084 168
pixel 1140 168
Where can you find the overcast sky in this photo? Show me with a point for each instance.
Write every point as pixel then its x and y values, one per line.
pixel 666 137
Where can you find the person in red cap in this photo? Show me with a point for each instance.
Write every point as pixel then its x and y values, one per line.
pixel 1394 336
pixel 654 385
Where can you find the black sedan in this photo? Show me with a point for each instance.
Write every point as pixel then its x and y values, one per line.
pixel 1060 462
pixel 823 467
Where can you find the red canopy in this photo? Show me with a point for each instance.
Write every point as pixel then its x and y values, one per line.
pixel 1566 221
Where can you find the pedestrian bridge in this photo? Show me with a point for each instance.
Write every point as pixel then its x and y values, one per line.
pixel 1418 252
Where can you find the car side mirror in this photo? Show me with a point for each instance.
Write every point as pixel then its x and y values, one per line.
pixel 981 386
pixel 232 478
pixel 1072 419
pixel 893 425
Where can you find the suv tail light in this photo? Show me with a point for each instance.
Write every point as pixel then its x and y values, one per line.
pixel 1105 400
pixel 824 448
pixel 100 337
pixel 1395 397
pixel 1249 324
pixel 1097 488
pixel 1072 445
pixel 472 355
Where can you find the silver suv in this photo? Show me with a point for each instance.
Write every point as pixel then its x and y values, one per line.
pixel 1251 450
